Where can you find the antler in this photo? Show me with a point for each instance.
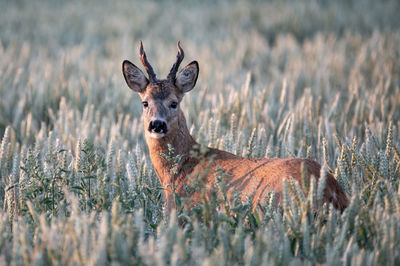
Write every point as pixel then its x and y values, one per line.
pixel 146 64
pixel 175 67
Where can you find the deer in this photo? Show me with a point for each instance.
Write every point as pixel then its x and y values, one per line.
pixel 165 127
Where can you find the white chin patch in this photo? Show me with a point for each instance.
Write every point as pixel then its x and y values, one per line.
pixel 157 135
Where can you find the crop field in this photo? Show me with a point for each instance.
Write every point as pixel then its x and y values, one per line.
pixel 309 78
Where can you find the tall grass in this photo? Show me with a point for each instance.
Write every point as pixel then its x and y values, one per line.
pixel 278 79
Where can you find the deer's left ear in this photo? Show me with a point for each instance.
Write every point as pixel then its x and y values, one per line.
pixel 187 77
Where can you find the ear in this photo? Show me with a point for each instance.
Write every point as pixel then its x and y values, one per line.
pixel 187 77
pixel 134 77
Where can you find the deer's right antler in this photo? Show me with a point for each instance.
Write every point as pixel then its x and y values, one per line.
pixel 146 64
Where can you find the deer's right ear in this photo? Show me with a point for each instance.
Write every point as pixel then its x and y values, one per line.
pixel 134 77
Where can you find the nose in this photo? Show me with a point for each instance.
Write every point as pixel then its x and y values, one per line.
pixel 158 126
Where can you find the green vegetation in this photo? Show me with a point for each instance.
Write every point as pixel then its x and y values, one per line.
pixel 308 78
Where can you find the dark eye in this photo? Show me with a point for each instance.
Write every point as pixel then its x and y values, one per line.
pixel 145 104
pixel 174 105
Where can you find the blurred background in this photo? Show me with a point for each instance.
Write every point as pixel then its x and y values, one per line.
pixel 68 54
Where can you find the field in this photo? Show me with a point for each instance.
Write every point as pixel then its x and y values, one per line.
pixel 309 78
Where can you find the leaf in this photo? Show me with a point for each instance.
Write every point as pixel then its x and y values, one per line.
pixel 46 201
pixel 154 226
pixel 65 170
pixel 12 186
pixel 257 218
pixel 114 184
pixel 89 177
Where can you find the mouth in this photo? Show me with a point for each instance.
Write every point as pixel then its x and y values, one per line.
pixel 156 135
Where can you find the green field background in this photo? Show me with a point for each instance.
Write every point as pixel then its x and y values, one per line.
pixel 309 78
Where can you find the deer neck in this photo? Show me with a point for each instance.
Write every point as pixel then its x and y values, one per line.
pixel 182 142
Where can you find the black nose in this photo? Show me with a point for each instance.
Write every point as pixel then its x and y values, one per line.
pixel 158 126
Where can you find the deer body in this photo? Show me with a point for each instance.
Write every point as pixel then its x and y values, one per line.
pixel 166 125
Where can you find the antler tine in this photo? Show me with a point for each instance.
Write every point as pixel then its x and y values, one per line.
pixel 179 58
pixel 145 62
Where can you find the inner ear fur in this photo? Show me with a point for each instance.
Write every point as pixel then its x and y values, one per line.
pixel 187 77
pixel 134 77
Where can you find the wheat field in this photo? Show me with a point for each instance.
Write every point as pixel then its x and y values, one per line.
pixel 310 78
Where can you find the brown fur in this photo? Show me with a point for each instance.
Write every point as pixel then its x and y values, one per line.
pixel 251 177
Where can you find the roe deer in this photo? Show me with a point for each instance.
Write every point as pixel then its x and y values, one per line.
pixel 165 124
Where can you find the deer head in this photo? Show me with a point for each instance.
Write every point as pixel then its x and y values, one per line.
pixel 161 97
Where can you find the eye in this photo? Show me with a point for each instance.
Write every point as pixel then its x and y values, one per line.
pixel 174 105
pixel 145 104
